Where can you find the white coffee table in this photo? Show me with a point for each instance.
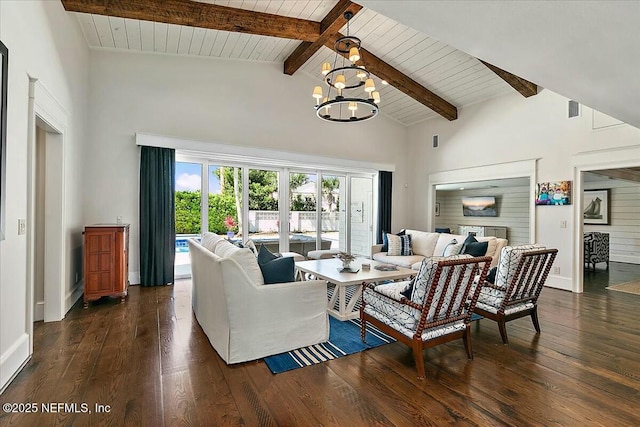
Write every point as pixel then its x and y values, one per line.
pixel 347 286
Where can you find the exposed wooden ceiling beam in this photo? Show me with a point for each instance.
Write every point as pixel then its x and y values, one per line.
pixel 403 83
pixel 525 87
pixel 330 25
pixel 203 15
pixel 312 34
pixel 626 174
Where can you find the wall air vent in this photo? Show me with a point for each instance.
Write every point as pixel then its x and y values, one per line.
pixel 435 141
pixel 574 109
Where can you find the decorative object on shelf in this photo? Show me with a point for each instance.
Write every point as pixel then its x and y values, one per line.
pixel 366 266
pixel 336 106
pixel 230 223
pixel 346 259
pixel 553 193
pixel 595 207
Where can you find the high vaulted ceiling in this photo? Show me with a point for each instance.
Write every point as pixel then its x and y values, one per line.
pixel 426 76
pixel 586 50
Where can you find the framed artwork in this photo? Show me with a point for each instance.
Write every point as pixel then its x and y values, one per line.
pixel 553 193
pixel 4 57
pixel 437 208
pixel 595 207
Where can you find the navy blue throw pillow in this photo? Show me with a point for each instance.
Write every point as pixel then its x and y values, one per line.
pixel 278 270
pixel 265 255
pixel 476 248
pixel 470 239
pixel 491 275
pixel 385 240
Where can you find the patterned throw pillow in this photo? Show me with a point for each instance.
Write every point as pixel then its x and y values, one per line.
pixel 452 248
pixel 399 245
pixel 385 240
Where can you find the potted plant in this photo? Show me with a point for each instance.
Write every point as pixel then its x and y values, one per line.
pixel 230 223
pixel 346 259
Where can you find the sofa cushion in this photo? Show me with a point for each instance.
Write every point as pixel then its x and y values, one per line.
pixel 401 261
pixel 422 242
pixel 399 245
pixel 243 256
pixel 209 240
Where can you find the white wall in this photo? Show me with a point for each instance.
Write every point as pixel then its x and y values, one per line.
pixel 44 42
pixel 513 211
pixel 510 128
pixel 224 101
pixel 624 225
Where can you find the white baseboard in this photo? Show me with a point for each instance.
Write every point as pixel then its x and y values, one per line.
pixel 73 296
pixel 559 282
pixel 12 360
pixel 134 277
pixel 38 312
pixel 629 259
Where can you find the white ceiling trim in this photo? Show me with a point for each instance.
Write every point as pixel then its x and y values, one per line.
pixel 260 156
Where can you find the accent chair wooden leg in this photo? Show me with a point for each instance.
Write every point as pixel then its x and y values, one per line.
pixel 534 318
pixel 502 325
pixel 466 338
pixel 363 328
pixel 419 359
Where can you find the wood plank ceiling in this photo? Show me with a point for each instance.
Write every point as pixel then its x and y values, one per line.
pixel 426 77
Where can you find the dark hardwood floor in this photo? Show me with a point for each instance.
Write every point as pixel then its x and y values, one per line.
pixel 151 363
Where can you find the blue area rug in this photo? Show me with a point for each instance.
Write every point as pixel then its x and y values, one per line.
pixel 344 339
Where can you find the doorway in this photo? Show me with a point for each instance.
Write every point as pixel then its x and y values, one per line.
pixel 611 206
pixel 46 224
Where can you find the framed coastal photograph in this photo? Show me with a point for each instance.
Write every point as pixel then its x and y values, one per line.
pixel 4 69
pixel 595 207
pixel 553 193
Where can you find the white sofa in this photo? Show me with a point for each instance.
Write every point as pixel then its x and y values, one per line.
pixel 427 244
pixel 245 319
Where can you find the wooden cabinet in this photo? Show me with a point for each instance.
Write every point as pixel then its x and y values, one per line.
pixel 483 231
pixel 106 261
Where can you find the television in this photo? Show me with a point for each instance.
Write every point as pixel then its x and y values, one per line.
pixel 479 206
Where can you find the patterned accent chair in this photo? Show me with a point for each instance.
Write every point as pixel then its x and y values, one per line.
pixel 596 248
pixel 522 272
pixel 441 303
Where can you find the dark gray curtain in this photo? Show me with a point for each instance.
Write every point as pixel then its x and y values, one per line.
pixel 384 203
pixel 157 215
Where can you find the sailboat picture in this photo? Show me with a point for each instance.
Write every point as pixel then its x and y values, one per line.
pixel 596 207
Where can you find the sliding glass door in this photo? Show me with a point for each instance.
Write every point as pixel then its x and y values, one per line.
pixel 303 212
pixel 263 222
pixel 361 215
pixel 333 219
pixel 188 199
pixel 292 210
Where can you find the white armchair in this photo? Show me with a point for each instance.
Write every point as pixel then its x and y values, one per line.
pixel 245 320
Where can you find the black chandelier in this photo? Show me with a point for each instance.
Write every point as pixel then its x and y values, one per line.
pixel 346 76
